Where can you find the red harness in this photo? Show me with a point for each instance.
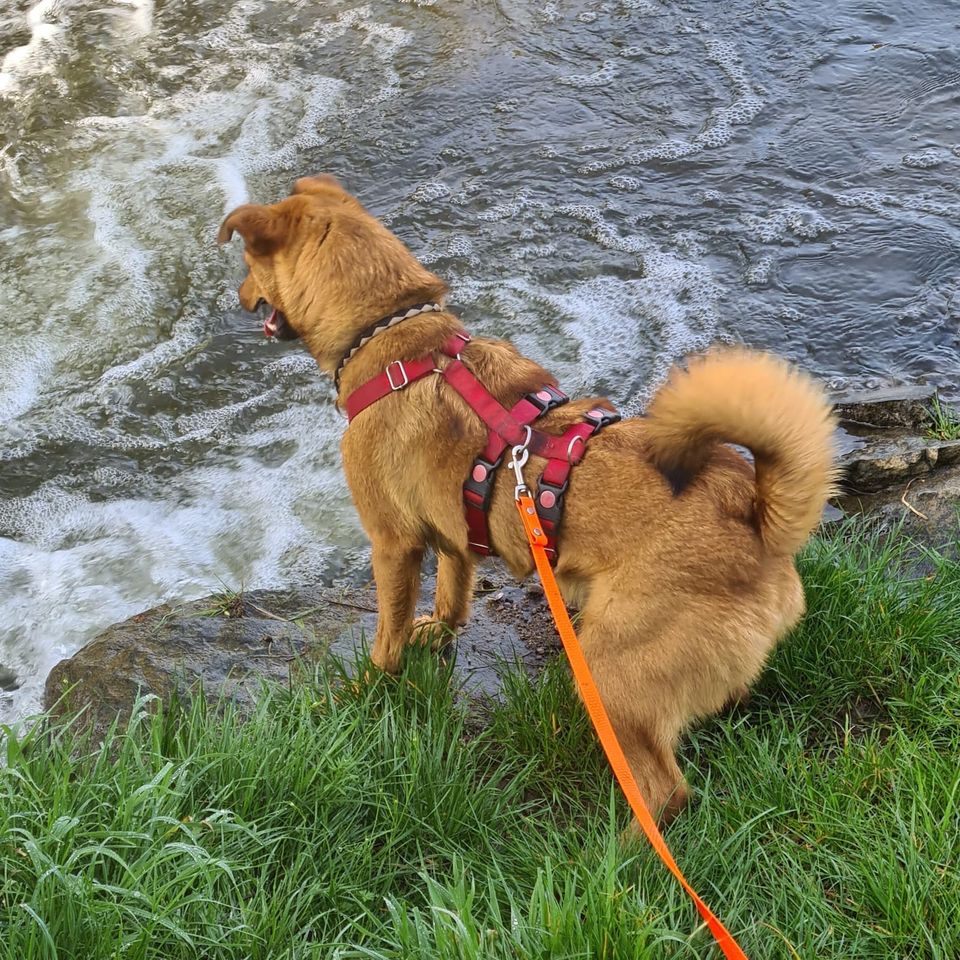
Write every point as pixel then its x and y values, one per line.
pixel 506 428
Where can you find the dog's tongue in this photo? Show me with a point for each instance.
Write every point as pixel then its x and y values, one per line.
pixel 271 325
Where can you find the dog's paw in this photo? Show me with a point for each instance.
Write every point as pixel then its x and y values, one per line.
pixel 387 661
pixel 429 631
pixel 740 697
pixel 669 812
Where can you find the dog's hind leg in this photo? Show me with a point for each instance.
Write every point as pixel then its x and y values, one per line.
pixel 396 569
pixel 654 767
pixel 629 674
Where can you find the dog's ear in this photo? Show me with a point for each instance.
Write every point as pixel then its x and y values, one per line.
pixel 263 229
pixel 321 183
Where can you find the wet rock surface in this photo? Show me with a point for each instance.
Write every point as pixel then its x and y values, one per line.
pixel 893 466
pixel 926 508
pixel 899 464
pixel 889 407
pixel 887 458
pixel 228 645
pixel 8 679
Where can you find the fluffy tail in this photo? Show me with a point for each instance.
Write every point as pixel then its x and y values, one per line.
pixel 760 402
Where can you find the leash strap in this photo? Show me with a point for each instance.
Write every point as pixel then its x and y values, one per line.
pixel 601 721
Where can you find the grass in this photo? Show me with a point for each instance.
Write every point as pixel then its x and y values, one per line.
pixel 374 820
pixel 944 421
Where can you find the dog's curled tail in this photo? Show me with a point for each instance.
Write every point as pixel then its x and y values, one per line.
pixel 733 395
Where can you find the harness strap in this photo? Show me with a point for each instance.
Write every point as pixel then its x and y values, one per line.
pixel 553 483
pixel 397 375
pixel 498 418
pixel 506 428
pixel 478 487
pixel 483 403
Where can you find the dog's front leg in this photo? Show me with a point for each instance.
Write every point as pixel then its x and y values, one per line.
pixel 454 588
pixel 452 601
pixel 396 570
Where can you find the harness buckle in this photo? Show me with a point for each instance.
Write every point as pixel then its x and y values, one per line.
pixel 480 479
pixel 547 398
pixel 549 500
pixel 601 417
pixel 403 373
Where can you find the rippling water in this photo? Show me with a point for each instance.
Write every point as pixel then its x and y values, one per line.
pixel 609 183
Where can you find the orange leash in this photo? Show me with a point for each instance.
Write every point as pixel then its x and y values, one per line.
pixel 597 712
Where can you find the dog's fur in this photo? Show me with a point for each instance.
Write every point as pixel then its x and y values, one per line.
pixel 676 549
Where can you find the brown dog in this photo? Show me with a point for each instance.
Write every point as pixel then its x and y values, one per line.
pixel 677 550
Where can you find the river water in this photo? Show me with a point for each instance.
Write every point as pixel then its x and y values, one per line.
pixel 611 183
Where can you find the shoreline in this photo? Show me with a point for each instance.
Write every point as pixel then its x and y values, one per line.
pixel 901 468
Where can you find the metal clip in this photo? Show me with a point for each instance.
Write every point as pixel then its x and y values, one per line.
pixel 520 454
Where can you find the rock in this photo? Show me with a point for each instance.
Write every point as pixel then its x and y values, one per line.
pixel 904 407
pixel 894 469
pixel 926 508
pixel 886 438
pixel 8 679
pixel 883 461
pixel 228 646
pixel 948 452
pixel 831 514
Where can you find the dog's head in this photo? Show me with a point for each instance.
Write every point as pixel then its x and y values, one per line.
pixel 325 266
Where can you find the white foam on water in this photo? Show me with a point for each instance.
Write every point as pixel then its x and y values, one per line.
pixel 138 16
pixel 73 565
pixel 605 235
pixel 429 190
pixel 385 40
pixel 25 367
pixel 602 77
pixel 233 183
pixel 641 6
pixel 623 329
pixel 718 128
pixel 761 271
pixel 126 285
pixel 927 159
pixel 40 53
pixel 136 179
pixel 187 338
pixel 627 184
pixel 791 220
pixel 887 204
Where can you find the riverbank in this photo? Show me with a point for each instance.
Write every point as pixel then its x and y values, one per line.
pixel 899 454
pixel 380 820
pixel 611 186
